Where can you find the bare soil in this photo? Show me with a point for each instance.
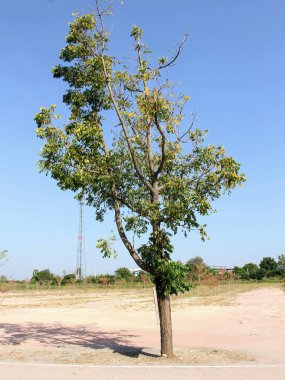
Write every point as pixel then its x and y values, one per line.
pixel 120 327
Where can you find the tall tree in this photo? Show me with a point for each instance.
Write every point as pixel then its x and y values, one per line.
pixel 249 271
pixel 281 265
pixel 197 269
pixel 268 266
pixel 152 169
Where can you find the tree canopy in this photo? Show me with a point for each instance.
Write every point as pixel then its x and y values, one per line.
pixel 123 273
pixel 197 269
pixel 43 277
pixel 152 168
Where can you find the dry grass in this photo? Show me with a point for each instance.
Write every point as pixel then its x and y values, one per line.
pixel 222 294
pixel 136 298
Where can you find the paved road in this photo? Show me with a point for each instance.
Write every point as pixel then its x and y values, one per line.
pixel 66 372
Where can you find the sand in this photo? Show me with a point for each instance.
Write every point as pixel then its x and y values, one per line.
pixel 119 327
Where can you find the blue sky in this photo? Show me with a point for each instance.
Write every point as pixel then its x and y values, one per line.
pixel 232 67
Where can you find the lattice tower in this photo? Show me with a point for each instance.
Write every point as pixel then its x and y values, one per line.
pixel 81 265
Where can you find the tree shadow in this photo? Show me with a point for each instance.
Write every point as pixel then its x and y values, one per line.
pixel 58 336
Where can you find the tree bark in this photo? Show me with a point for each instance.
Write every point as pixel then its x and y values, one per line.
pixel 164 310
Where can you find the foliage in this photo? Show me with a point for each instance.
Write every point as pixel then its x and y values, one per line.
pixel 105 279
pixel 123 273
pixel 58 280
pixel 152 169
pixel 281 265
pixel 68 279
pixel 269 267
pixel 249 271
pixel 143 277
pixel 43 277
pixel 3 279
pixel 198 270
pixel 106 246
pixel 237 271
pixel 91 279
pixel 171 278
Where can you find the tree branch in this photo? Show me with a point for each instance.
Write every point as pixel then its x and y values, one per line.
pixel 176 56
pixel 163 156
pixel 118 220
pixel 125 130
pixel 149 149
pixel 187 131
pixel 123 235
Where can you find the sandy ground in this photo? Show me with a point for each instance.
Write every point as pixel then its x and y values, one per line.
pixel 236 334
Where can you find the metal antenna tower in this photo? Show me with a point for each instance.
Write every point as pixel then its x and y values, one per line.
pixel 81 266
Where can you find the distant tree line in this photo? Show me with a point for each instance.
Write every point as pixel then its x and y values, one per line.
pixel 198 272
pixel 121 276
pixel 268 268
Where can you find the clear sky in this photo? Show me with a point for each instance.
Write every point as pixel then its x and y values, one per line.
pixel 232 67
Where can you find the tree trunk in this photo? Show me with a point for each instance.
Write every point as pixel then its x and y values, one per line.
pixel 164 310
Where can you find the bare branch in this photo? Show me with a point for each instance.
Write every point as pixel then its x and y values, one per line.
pixel 177 54
pixel 120 117
pixel 188 129
pixel 118 112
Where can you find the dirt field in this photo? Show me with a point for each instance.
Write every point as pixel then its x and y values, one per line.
pixel 119 327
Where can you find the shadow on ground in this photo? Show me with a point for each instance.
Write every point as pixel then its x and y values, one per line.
pixel 59 336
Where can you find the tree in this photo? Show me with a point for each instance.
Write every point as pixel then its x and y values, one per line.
pixel 3 279
pixel 152 168
pixel 281 265
pixel 68 279
pixel 268 267
pixel 123 273
pixel 43 277
pixel 249 271
pixel 197 269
